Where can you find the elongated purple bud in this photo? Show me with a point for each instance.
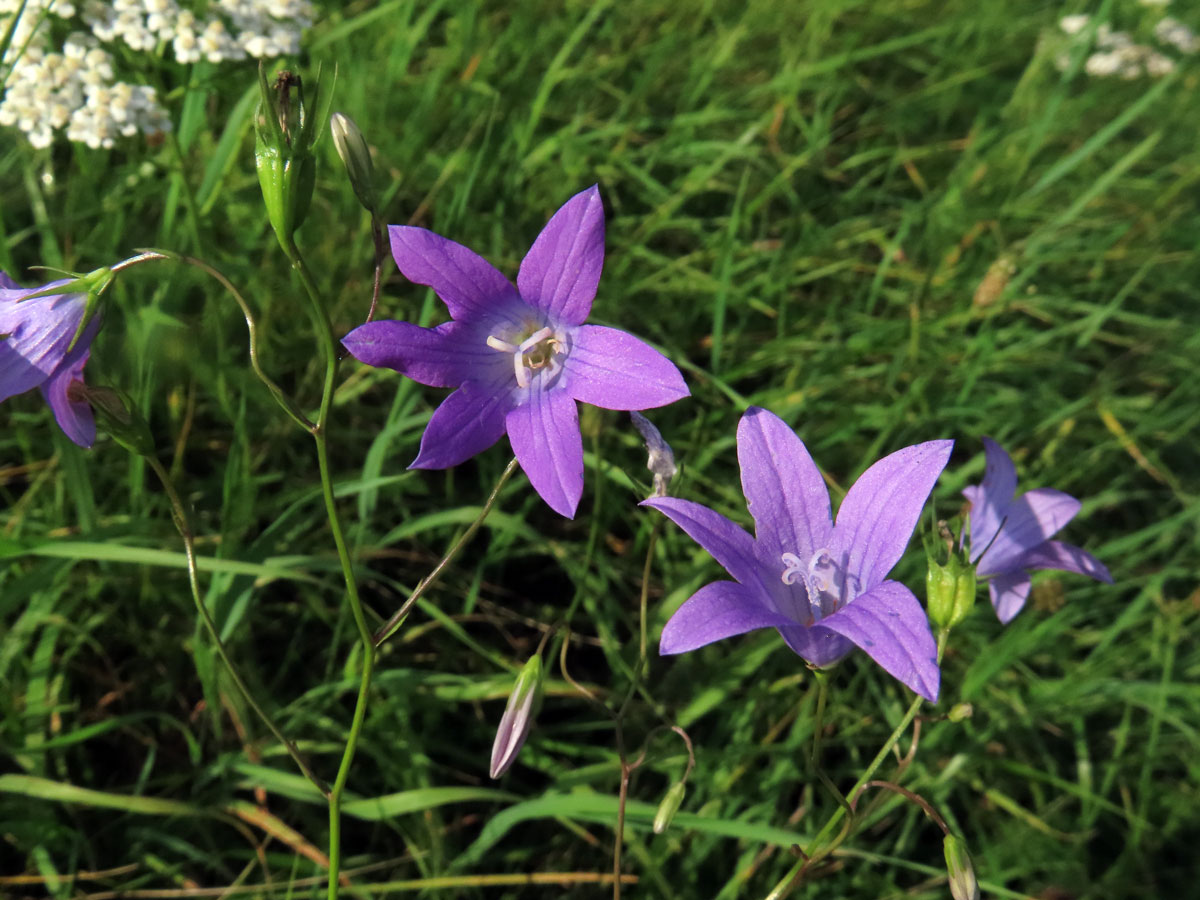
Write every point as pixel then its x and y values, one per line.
pixel 522 706
pixel 662 459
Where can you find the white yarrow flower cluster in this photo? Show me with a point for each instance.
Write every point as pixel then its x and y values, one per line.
pixel 1117 54
pixel 74 90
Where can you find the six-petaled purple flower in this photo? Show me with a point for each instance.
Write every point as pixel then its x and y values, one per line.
pixel 520 357
pixel 821 584
pixel 1010 535
pixel 36 351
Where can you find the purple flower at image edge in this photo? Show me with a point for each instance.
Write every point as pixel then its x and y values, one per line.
pixel 36 351
pixel 520 357
pixel 821 585
pixel 1011 535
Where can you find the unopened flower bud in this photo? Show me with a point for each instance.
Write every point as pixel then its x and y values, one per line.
pixel 522 706
pixel 662 459
pixel 960 712
pixel 116 414
pixel 963 885
pixel 356 156
pixel 950 579
pixel 285 130
pixel 668 807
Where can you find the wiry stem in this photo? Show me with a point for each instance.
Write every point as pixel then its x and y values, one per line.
pixel 394 622
pixel 179 514
pixel 817 851
pixel 287 404
pixel 319 432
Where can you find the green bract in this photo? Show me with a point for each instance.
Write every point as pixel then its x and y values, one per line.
pixel 950 579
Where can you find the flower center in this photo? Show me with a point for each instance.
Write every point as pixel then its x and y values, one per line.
pixel 542 349
pixel 828 585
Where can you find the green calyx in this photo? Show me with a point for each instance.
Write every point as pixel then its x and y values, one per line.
pixel 286 128
pixel 950 578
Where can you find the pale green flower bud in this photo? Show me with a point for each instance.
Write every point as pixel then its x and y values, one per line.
pixel 667 808
pixel 960 712
pixel 356 156
pixel 285 129
pixel 950 579
pixel 963 885
pixel 522 706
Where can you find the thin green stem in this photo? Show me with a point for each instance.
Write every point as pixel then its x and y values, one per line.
pixel 816 849
pixel 328 343
pixel 394 622
pixel 646 590
pixel 179 514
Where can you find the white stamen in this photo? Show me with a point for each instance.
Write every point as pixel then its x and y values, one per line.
pixel 496 344
pixel 794 570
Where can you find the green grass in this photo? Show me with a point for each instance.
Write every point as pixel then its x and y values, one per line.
pixel 888 222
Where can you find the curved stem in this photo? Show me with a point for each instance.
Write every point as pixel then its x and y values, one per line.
pixel 287 404
pixel 816 851
pixel 179 514
pixel 381 247
pixel 394 622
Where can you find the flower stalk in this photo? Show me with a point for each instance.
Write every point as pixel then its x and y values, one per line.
pixel 180 517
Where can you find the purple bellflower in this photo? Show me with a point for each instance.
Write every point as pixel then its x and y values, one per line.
pixel 520 357
pixel 1011 535
pixel 36 351
pixel 819 583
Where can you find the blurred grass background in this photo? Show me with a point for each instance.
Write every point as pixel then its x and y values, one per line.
pixel 889 222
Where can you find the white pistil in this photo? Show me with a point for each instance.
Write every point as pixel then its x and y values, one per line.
pixel 523 366
pixel 794 570
pixel 534 339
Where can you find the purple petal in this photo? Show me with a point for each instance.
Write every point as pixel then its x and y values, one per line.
pixel 728 544
pixel 612 369
pixel 444 356
pixel 544 433
pixel 468 422
pixel 1009 592
pixel 816 645
pixel 990 500
pixel 718 610
pixel 783 487
pixel 881 509
pixel 74 416
pixel 1031 519
pixel 39 331
pixel 469 285
pixel 1068 558
pixel 889 625
pixel 560 272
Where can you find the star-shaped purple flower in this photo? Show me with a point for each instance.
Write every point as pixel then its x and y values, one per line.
pixel 820 584
pixel 36 351
pixel 520 357
pixel 1010 536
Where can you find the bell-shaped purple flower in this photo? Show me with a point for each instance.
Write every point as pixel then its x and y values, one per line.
pixel 1011 535
pixel 36 351
pixel 821 584
pixel 520 357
